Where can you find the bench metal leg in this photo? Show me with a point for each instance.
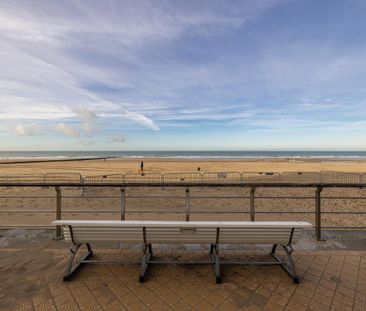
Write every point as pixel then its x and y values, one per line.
pixel 214 254
pixel 71 269
pixel 145 264
pixel 288 265
pixel 273 249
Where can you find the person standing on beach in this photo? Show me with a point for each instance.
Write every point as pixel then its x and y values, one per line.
pixel 142 167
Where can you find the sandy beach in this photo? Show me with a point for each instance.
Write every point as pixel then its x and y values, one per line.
pixel 174 208
pixel 110 166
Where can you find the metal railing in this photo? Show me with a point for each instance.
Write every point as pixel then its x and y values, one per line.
pixel 253 181
pixel 324 177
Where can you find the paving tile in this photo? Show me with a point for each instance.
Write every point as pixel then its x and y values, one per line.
pixel 359 306
pixel 331 281
pixel 24 306
pixel 63 298
pixel 204 305
pixel 340 306
pixel 171 298
pixel 215 298
pixel 317 306
pixel 192 299
pixel 279 299
pixel 137 305
pixel 227 306
pixel 159 306
pixel 273 306
pixel 182 306
pixel 264 291
pixel 127 299
pixel 44 302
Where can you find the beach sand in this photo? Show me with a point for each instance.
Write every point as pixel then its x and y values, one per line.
pixel 174 209
pixel 94 167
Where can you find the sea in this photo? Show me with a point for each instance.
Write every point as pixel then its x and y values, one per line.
pixel 225 155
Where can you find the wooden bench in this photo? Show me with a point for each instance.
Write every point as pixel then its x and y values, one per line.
pixel 214 233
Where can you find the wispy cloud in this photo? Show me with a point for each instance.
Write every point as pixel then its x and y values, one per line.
pixel 27 130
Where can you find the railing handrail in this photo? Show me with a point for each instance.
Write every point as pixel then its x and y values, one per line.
pixel 188 184
pixel 122 184
pixel 191 178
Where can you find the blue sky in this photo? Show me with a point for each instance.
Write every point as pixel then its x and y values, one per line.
pixel 182 75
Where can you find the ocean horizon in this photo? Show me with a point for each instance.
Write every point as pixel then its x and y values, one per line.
pixel 14 155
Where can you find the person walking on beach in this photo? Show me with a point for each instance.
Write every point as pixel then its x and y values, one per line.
pixel 142 167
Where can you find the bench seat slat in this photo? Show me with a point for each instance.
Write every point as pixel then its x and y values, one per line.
pixel 201 224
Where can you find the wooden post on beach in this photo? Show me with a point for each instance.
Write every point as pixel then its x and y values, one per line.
pixel 187 204
pixel 318 225
pixel 58 210
pixel 252 203
pixel 123 204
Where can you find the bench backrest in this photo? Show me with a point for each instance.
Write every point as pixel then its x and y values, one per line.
pixel 179 232
pixel 89 234
pixel 259 235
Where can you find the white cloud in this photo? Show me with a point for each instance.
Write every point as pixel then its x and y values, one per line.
pixel 27 130
pixel 86 115
pixel 88 120
pixel 141 119
pixel 67 130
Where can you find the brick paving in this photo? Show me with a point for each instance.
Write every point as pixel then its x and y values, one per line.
pixel 330 280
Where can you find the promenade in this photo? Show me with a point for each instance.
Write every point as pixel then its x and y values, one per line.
pixel 333 277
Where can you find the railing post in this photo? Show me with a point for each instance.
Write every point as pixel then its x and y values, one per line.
pixel 187 204
pixel 318 224
pixel 123 203
pixel 82 182
pixel 360 179
pixel 58 210
pixel 252 203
